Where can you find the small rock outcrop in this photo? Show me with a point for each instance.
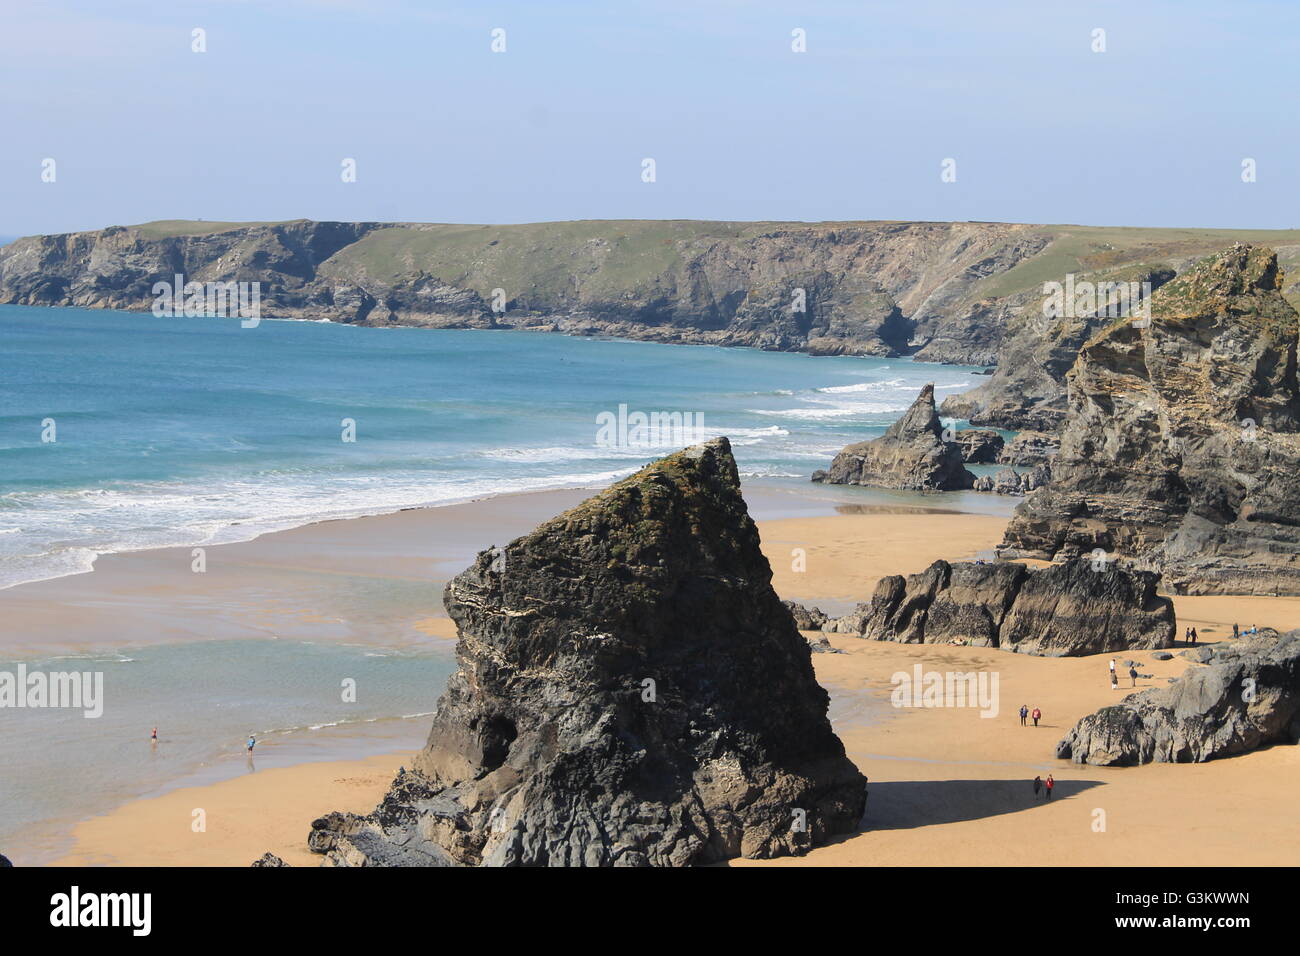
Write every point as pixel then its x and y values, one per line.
pixel 630 692
pixel 1247 696
pixel 979 446
pixel 806 618
pixel 268 859
pixel 1008 481
pixel 1182 448
pixel 911 455
pixel 4 861
pixel 1064 610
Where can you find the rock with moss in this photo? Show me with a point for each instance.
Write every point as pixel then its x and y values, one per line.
pixel 630 691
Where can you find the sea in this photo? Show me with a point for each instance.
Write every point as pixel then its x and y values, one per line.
pixel 122 432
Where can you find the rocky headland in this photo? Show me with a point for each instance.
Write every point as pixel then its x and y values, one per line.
pixel 630 692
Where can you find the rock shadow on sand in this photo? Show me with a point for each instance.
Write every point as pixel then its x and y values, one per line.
pixel 907 804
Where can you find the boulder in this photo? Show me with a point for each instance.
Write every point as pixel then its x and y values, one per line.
pixel 911 455
pixel 1162 656
pixel 1071 609
pixel 4 861
pixel 1247 697
pixel 269 859
pixel 630 691
pixel 820 645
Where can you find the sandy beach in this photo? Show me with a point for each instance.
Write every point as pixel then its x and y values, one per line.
pixel 948 786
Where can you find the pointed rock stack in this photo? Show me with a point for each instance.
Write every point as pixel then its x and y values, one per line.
pixel 912 455
pixel 631 691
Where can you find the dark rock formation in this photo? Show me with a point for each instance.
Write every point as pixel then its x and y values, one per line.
pixel 1183 446
pixel 268 859
pixel 979 446
pixel 4 861
pixel 1071 609
pixel 630 691
pixel 1163 656
pixel 806 618
pixel 1030 448
pixel 911 455
pixel 1247 697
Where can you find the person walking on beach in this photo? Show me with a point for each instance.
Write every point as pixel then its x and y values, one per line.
pixel 1036 714
pixel 1236 632
pixel 251 743
pixel 1114 679
pixel 1050 784
pixel 1193 637
pixel 154 735
pixel 1038 785
pixel 1024 712
pixel 1133 675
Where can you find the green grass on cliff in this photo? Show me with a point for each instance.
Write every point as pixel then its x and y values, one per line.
pixel 1089 249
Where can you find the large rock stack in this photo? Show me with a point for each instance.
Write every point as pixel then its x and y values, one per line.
pixel 1182 449
pixel 631 691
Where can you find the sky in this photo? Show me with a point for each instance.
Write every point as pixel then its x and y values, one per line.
pixel 1042 127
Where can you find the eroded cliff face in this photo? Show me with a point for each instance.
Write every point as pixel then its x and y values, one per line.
pixel 1181 448
pixel 630 692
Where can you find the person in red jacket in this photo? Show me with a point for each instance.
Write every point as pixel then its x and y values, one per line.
pixel 1049 783
pixel 1036 714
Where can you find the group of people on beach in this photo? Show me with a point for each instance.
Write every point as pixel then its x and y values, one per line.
pixel 1114 674
pixel 1040 783
pixel 1026 712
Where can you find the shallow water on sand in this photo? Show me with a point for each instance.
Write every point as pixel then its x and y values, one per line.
pixel 205 699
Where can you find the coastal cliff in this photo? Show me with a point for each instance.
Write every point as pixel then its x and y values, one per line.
pixel 965 292
pixel 630 692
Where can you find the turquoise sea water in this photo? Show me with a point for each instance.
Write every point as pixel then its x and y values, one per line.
pixel 182 432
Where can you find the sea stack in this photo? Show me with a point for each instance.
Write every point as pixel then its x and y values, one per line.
pixel 631 692
pixel 1246 696
pixel 1182 448
pixel 912 455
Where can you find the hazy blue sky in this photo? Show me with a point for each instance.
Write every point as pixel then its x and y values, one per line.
pixel 1151 132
